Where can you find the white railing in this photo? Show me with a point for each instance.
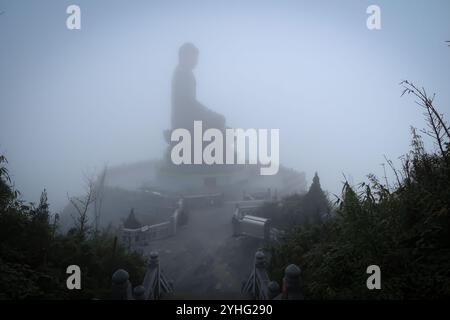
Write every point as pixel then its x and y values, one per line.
pixel 140 237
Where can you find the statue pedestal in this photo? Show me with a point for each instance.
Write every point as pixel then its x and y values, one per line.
pixel 199 177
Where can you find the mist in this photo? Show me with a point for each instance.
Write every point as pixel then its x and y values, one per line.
pixel 73 101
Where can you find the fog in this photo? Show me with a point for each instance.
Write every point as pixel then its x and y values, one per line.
pixel 72 101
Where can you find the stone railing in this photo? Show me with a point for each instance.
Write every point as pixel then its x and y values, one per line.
pixel 140 237
pixel 154 287
pixel 259 287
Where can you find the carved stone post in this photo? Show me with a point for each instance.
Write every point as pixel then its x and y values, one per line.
pixel 154 266
pixel 274 289
pixel 260 259
pixel 260 264
pixel 154 260
pixel 139 293
pixel 291 283
pixel 121 286
pixel 182 213
pixel 173 222
pixel 235 223
pixel 267 231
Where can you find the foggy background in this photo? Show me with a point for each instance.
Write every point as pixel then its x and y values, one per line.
pixel 72 101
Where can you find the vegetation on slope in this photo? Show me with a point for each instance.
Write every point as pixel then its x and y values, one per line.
pixel 34 255
pixel 404 229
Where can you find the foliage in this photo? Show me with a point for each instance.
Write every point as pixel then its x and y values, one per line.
pixel 404 230
pixel 298 209
pixel 34 256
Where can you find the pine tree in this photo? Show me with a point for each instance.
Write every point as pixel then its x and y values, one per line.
pixel 131 222
pixel 316 202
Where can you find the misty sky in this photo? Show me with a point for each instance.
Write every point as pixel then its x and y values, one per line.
pixel 72 101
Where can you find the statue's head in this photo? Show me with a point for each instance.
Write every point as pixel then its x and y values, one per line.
pixel 188 55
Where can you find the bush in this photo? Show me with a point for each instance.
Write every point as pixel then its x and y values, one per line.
pixel 404 230
pixel 34 257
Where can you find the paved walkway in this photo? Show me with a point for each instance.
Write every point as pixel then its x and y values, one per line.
pixel 203 259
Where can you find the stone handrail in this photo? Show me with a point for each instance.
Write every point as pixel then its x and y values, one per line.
pixel 259 287
pixel 154 286
pixel 133 238
pixel 140 237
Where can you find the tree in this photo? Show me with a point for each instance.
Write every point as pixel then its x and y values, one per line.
pixel 98 202
pixel 131 222
pixel 316 203
pixel 404 229
pixel 81 205
pixel 437 128
pixel 33 257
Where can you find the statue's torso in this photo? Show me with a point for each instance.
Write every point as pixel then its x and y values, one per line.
pixel 183 98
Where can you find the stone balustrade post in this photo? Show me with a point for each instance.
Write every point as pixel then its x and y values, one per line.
pixel 291 283
pixel 154 266
pixel 260 264
pixel 260 259
pixel 154 260
pixel 139 293
pixel 121 286
pixel 273 289
pixel 174 222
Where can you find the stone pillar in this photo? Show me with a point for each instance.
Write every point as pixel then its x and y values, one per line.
pixel 181 204
pixel 273 289
pixel 173 222
pixel 139 293
pixel 267 231
pixel 260 259
pixel 260 263
pixel 121 286
pixel 291 283
pixel 154 260
pixel 153 265
pixel 235 224
pixel 182 213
